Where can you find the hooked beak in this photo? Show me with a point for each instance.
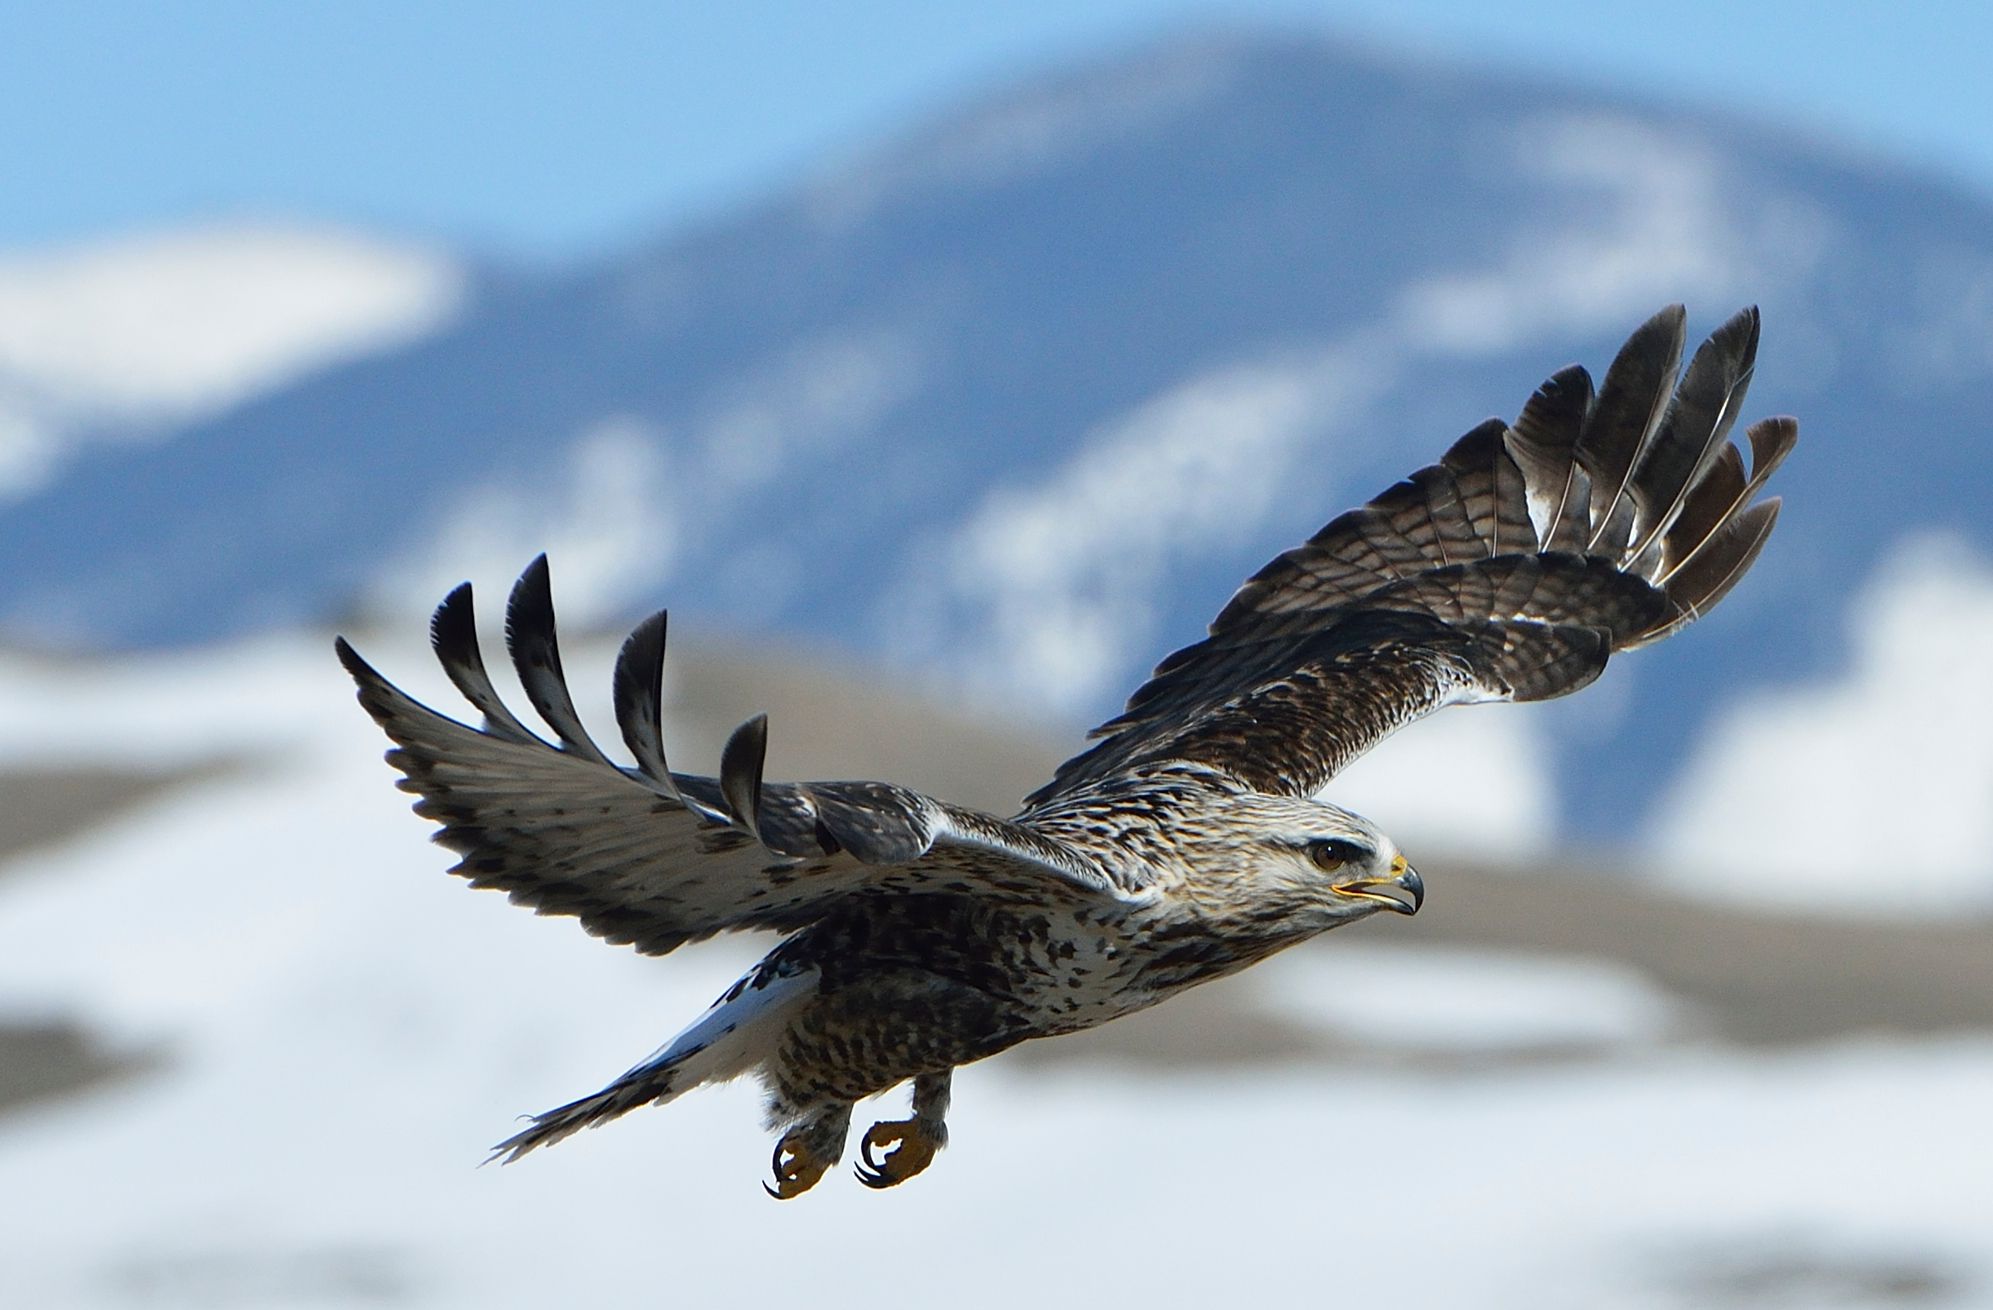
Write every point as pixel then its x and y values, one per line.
pixel 1403 892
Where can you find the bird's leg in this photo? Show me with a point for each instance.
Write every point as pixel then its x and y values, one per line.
pixel 907 1146
pixel 807 1150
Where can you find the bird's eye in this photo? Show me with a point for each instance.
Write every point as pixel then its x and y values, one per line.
pixel 1332 853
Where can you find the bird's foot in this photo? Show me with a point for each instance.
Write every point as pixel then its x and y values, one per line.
pixel 903 1148
pixel 797 1166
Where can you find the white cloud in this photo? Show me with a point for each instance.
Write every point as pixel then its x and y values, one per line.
pixel 164 327
pixel 1871 793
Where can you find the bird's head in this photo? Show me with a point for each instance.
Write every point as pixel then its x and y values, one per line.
pixel 1325 866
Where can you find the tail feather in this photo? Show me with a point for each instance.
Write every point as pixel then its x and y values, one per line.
pixel 738 1032
pixel 639 1087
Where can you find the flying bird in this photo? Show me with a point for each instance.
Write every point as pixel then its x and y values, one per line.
pixel 1185 844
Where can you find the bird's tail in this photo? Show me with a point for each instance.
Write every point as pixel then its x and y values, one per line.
pixel 739 1032
pixel 640 1086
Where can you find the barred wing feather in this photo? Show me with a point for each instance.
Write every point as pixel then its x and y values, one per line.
pixel 1510 570
pixel 652 858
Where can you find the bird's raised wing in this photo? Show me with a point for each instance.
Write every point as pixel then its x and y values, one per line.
pixel 653 858
pixel 1510 570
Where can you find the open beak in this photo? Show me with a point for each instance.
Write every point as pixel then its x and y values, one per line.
pixel 1403 892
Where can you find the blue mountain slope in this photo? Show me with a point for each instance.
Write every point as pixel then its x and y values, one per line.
pixel 1024 396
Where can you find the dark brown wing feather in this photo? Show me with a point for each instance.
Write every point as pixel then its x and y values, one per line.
pixel 1510 570
pixel 653 858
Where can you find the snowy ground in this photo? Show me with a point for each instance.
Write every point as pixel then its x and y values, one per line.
pixel 126 337
pixel 337 1032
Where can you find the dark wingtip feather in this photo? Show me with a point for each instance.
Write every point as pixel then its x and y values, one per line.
pixel 1542 442
pixel 534 642
pixel 453 627
pixel 1772 439
pixel 358 668
pixel 529 610
pixel 1723 492
pixel 638 688
pixel 453 638
pixel 1653 350
pixel 1690 442
pixel 1719 566
pixel 1632 401
pixel 741 762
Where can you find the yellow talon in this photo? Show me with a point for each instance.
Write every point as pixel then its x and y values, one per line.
pixel 903 1148
pixel 797 1169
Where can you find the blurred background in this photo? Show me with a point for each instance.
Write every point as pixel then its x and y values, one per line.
pixel 942 366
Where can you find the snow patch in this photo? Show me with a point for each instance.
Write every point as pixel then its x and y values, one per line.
pixel 612 521
pixel 345 1031
pixel 1665 227
pixel 1473 778
pixel 1047 595
pixel 1050 592
pixel 813 397
pixel 1462 999
pixel 1870 794
pixel 1946 341
pixel 165 709
pixel 132 334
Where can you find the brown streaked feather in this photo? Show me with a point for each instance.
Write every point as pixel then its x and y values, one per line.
pixel 1717 567
pixel 1360 681
pixel 1543 441
pixel 1697 428
pixel 1632 401
pixel 1512 570
pixel 1703 510
pixel 1491 490
pixel 1724 492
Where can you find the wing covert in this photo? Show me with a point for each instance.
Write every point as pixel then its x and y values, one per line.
pixel 652 858
pixel 1510 570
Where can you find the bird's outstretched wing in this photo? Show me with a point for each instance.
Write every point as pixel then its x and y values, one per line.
pixel 653 858
pixel 1510 570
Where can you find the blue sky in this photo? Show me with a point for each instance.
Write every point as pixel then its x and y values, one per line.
pixel 505 129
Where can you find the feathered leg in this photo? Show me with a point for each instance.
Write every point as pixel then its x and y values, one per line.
pixel 907 1146
pixel 808 1150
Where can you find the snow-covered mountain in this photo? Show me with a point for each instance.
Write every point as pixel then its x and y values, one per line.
pixel 1021 397
pixel 131 337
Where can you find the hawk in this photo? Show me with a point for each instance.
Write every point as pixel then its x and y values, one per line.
pixel 1186 844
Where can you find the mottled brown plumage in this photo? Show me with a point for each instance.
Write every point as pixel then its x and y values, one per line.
pixel 1184 845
